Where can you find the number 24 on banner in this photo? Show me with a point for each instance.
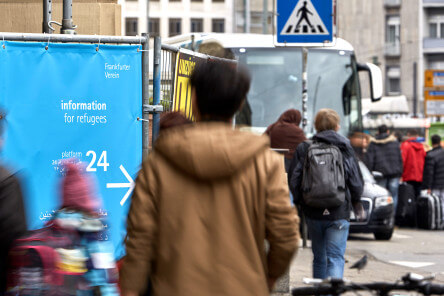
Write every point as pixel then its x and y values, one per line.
pixel 101 163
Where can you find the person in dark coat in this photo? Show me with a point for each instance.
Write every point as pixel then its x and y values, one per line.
pixel 285 133
pixel 328 227
pixel 433 175
pixel 12 215
pixel 384 156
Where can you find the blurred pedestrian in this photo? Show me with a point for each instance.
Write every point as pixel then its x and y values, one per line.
pixel 72 255
pixel 319 166
pixel 384 156
pixel 285 133
pixel 359 142
pixel 12 212
pixel 413 157
pixel 206 199
pixel 433 176
pixel 80 211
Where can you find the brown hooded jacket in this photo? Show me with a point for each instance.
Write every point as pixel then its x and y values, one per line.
pixel 205 200
pixel 286 133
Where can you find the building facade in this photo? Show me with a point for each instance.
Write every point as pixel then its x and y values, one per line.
pixel 402 36
pixel 169 18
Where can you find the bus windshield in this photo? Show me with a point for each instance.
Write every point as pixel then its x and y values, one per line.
pixel 332 82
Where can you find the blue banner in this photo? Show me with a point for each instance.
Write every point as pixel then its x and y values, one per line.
pixel 73 101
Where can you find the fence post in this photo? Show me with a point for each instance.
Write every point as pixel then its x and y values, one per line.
pixel 156 84
pixel 67 24
pixel 145 95
pixel 47 12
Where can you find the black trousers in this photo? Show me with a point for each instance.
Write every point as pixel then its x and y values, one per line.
pixel 417 186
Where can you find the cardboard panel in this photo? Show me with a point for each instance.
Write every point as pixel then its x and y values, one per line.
pixel 58 1
pixel 100 17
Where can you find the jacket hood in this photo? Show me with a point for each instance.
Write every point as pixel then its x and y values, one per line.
pixel 209 150
pixel 291 116
pixel 383 139
pixel 336 139
pixel 415 144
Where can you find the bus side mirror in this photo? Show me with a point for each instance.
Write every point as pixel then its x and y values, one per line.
pixel 375 77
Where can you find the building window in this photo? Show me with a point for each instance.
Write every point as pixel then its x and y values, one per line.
pixel 154 27
pixel 435 61
pixel 393 78
pixel 433 30
pixel 393 29
pixel 218 25
pixel 436 26
pixel 131 26
pixel 196 25
pixel 175 27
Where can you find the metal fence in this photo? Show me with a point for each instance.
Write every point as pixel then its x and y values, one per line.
pixel 164 75
pixel 168 64
pixel 164 64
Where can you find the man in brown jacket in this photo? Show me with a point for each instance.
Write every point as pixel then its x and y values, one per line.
pixel 205 201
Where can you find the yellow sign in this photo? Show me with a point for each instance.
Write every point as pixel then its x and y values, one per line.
pixel 185 65
pixel 434 78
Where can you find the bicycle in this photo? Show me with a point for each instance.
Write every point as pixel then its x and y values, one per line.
pixel 335 286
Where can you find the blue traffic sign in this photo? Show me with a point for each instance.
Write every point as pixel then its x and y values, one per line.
pixel 304 21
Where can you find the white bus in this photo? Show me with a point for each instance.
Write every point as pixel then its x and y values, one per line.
pixel 332 78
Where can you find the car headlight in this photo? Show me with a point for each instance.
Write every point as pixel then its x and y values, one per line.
pixel 382 201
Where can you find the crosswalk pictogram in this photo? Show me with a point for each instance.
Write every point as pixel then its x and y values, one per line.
pixel 304 20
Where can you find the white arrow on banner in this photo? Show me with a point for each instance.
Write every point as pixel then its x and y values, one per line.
pixel 129 185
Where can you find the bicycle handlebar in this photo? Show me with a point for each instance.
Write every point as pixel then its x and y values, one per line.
pixel 426 288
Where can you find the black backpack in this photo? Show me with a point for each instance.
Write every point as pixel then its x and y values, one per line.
pixel 323 177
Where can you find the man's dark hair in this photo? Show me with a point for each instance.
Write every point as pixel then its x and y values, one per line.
pixel 382 129
pixel 413 132
pixel 220 89
pixel 436 140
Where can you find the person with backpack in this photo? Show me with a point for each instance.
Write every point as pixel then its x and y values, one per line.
pixel 72 254
pixel 326 182
pixel 206 199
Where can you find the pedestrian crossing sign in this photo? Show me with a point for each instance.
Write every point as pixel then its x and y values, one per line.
pixel 304 22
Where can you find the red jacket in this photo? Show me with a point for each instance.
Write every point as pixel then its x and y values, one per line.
pixel 413 155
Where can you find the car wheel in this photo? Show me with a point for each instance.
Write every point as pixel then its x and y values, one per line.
pixel 383 235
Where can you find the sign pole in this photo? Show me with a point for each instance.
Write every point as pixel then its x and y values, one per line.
pixel 304 89
pixel 304 127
